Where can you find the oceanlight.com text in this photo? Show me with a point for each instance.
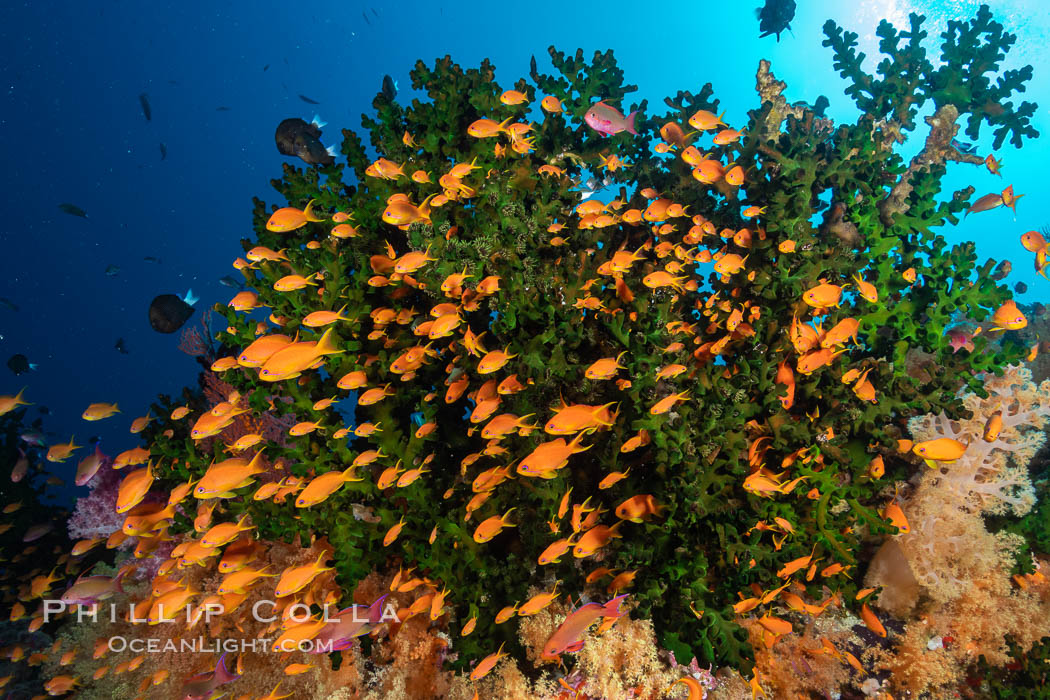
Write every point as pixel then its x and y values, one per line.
pixel 262 611
pixel 201 645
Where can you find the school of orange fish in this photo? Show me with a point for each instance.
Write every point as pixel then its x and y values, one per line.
pixel 444 335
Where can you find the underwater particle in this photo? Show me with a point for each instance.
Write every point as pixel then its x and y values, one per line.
pixel 20 364
pixel 775 17
pixel 389 88
pixel 296 137
pixel 308 101
pixel 112 270
pixel 1020 287
pixel 147 111
pixel 120 347
pixel 163 151
pixel 168 312
pixel 73 210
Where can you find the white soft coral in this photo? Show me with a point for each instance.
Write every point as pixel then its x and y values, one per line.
pixel 992 477
pixel 948 547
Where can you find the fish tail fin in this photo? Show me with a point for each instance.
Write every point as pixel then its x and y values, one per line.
pixel 612 608
pixel 33 365
pixel 222 674
pixel 253 465
pixel 375 610
pixel 629 123
pixel 332 151
pixel 318 122
pixel 308 212
pixel 326 346
pixel 190 298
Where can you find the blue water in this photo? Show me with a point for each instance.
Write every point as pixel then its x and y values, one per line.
pixel 73 131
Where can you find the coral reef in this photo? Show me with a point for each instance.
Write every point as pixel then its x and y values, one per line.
pixel 672 390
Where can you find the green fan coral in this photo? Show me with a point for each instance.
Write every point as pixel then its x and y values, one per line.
pixel 485 237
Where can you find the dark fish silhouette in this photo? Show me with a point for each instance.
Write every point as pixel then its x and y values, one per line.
pixel 1002 270
pixel 222 109
pixel 8 304
pixel 228 281
pixel 20 364
pixel 366 18
pixel 374 12
pixel 775 17
pixel 167 312
pixel 1020 287
pixel 163 151
pixel 308 101
pixel 144 101
pixel 150 258
pixel 73 210
pixel 266 67
pixel 389 90
pixel 112 270
pixel 296 137
pixel 120 347
pixel 964 146
pixel 532 66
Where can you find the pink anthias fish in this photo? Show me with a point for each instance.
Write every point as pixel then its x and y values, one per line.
pixel 21 467
pixel 35 532
pixel 90 590
pixel 89 466
pixel 202 685
pixel 347 625
pixel 608 120
pixel 569 635
pixel 960 338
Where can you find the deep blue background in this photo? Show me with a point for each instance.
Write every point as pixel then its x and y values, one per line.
pixel 73 131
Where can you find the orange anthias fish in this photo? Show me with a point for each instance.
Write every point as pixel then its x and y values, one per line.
pixel 569 635
pixel 1009 318
pixel 942 449
pixel 98 411
pixel 486 665
pixel 294 579
pixel 10 403
pixel 323 486
pixel 61 452
pixel 134 488
pixel 293 359
pixel 551 104
pixel 491 527
pixel 823 295
pixel 289 218
pixel 638 508
pixel 222 478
